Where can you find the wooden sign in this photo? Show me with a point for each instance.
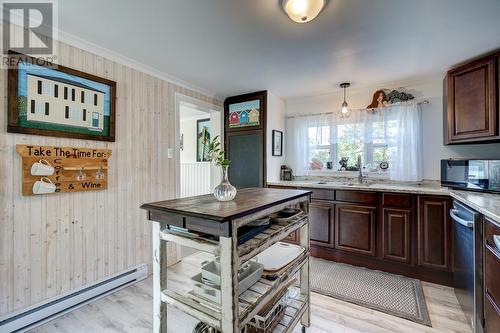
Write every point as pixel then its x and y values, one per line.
pixel 48 169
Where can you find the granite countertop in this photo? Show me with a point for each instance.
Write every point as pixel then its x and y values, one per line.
pixel 425 187
pixel 485 203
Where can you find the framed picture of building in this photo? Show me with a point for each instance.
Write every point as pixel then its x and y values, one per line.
pixel 202 139
pixel 53 100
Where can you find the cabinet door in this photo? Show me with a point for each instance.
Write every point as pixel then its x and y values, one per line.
pixel 491 316
pixel 472 109
pixel 355 228
pixel 434 232
pixel 396 235
pixel 321 215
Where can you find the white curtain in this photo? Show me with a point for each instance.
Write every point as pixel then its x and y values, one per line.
pixel 392 132
pixel 407 162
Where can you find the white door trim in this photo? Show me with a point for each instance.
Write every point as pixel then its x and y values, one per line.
pixel 203 106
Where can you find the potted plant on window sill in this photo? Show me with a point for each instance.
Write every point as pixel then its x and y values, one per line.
pixel 224 191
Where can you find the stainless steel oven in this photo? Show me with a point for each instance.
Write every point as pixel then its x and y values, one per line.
pixel 471 175
pixel 467 262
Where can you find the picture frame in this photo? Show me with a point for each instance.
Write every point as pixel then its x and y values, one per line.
pixel 277 143
pixel 245 112
pixel 53 100
pixel 202 138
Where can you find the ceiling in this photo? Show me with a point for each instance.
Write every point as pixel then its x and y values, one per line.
pixel 234 46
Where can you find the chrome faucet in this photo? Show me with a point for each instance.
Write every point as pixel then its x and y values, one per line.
pixel 360 175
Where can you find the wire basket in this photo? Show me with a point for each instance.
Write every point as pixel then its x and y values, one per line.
pixel 266 323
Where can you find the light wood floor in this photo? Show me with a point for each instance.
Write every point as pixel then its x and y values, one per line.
pixel 130 310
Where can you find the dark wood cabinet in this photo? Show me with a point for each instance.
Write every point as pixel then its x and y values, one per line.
pixel 491 274
pixel 491 316
pixel 355 229
pixel 434 232
pixel 472 97
pixel 321 215
pixel 396 234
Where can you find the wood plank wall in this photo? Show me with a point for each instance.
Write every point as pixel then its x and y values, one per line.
pixel 52 244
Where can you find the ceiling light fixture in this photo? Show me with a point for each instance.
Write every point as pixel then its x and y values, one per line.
pixel 344 111
pixel 302 11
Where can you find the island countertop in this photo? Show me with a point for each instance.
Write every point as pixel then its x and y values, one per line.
pixel 246 202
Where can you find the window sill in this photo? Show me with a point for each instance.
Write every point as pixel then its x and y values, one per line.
pixel 350 174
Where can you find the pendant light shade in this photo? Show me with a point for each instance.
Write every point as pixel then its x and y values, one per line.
pixel 345 112
pixel 302 11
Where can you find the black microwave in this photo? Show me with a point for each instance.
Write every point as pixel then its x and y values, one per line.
pixel 471 175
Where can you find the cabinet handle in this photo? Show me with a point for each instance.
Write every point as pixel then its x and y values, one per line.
pixel 496 240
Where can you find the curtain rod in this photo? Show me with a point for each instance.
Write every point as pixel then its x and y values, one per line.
pixel 364 109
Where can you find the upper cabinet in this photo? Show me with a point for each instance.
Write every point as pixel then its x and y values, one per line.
pixel 472 111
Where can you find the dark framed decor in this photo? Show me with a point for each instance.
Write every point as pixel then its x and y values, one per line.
pixel 245 142
pixel 202 139
pixel 53 100
pixel 245 112
pixel 277 143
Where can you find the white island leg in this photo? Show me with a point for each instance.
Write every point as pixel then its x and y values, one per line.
pixel 159 280
pixel 229 285
pixel 305 287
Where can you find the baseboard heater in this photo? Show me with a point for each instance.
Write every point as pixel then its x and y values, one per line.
pixel 38 314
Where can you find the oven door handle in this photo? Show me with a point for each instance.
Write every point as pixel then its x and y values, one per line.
pixel 465 223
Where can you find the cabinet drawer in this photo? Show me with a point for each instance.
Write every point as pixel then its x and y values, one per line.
pixel 356 196
pixel 491 316
pixel 321 194
pixel 167 218
pixel 491 275
pixel 396 200
pixel 491 229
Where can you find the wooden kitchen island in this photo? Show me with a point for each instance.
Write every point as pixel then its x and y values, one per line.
pixel 219 222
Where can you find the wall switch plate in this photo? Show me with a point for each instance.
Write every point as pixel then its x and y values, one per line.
pixel 170 153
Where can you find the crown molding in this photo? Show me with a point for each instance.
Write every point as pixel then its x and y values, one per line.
pixel 86 45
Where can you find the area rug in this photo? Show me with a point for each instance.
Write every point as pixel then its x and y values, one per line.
pixel 389 293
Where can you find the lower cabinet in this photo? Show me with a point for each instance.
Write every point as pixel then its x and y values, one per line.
pixel 396 235
pixel 491 316
pixel 434 232
pixel 355 229
pixel 321 221
pixel 399 233
pixel 491 277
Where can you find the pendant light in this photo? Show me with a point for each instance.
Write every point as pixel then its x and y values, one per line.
pixel 345 112
pixel 302 11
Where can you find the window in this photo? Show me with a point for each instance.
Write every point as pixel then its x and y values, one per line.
pixel 95 99
pixel 66 112
pixel 83 96
pixel 65 92
pixel 73 94
pixel 46 108
pixel 32 106
pixel 39 87
pixel 374 141
pixel 56 90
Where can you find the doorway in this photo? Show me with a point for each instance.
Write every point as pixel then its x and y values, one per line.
pixel 198 122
